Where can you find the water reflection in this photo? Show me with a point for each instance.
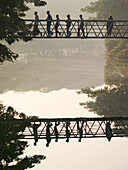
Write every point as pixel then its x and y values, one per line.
pixel 62 103
pixel 47 67
pixel 72 67
pixel 111 100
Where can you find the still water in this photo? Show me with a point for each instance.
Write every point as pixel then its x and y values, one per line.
pixel 44 81
pixel 50 75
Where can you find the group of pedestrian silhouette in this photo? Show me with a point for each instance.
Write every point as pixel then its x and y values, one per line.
pixel 108 131
pixel 49 19
pixel 48 133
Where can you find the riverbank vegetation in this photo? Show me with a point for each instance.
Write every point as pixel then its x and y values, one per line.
pixel 111 100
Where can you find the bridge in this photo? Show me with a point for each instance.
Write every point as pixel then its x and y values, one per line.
pixel 90 29
pixel 78 128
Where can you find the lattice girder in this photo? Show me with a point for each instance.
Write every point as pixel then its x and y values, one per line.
pixel 92 29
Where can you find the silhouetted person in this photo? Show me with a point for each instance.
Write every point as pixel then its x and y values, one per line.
pixel 108 131
pixel 109 26
pixel 80 130
pixel 81 26
pixel 49 19
pixel 68 24
pixel 35 128
pixel 56 131
pixel 48 134
pixel 57 25
pixel 67 131
pixel 36 30
pixel 36 16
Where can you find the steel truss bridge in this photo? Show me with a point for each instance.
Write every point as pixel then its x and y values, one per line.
pixel 57 128
pixel 92 29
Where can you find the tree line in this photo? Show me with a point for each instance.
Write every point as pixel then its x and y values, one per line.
pixel 110 100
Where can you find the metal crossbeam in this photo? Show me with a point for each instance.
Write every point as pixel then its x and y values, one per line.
pixel 77 127
pixel 92 29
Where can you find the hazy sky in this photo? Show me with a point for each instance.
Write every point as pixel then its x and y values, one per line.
pixel 61 7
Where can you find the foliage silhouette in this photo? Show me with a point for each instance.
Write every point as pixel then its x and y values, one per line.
pixel 13 26
pixel 109 101
pixel 104 8
pixel 11 148
pixel 116 50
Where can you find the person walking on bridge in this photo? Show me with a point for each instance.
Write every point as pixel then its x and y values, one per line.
pixel 49 20
pixel 36 30
pixel 48 134
pixel 56 131
pixel 35 127
pixel 109 26
pixel 81 26
pixel 80 130
pixel 57 25
pixel 68 25
pixel 67 131
pixel 108 131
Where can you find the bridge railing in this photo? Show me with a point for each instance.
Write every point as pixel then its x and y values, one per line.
pixel 89 127
pixel 66 128
pixel 89 29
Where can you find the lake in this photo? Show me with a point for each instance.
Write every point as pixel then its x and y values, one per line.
pixel 44 82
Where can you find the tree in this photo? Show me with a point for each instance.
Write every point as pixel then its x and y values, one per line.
pixel 11 148
pixel 116 50
pixel 13 26
pixel 109 101
pixel 104 8
pixel 116 68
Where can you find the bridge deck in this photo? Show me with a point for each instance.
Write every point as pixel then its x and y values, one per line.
pixel 91 29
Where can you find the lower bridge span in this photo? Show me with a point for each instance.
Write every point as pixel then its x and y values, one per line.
pixel 69 128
